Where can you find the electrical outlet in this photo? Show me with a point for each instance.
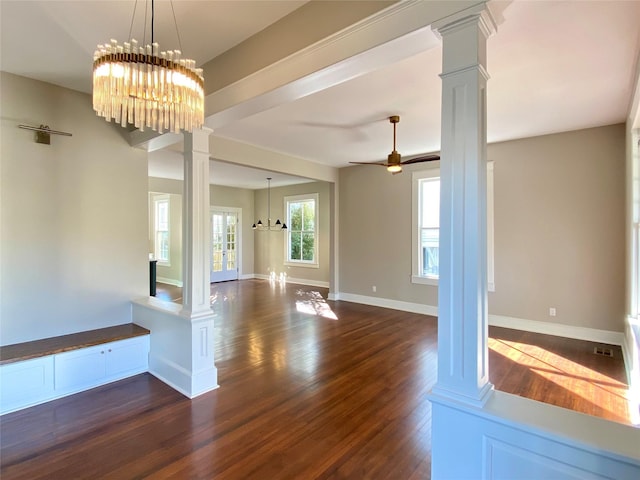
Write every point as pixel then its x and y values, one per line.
pixel 373 288
pixel 552 311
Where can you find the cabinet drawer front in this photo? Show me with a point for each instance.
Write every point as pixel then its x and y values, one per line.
pixel 127 355
pixel 81 368
pixel 27 380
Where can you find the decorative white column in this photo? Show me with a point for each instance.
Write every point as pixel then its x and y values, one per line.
pixel 195 224
pixel 181 353
pixel 462 293
pixel 196 260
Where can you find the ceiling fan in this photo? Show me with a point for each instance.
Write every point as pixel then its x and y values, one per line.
pixel 394 163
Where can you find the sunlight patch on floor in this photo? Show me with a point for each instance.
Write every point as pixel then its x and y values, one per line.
pixel 313 303
pixel 601 390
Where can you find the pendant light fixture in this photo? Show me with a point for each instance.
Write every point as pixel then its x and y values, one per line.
pixel 146 87
pixel 279 226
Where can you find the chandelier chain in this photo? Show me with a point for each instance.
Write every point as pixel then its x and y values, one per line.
pixel 153 15
pixel 175 22
pixel 144 31
pixel 133 17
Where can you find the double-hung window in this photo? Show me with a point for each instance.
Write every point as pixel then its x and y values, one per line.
pixel 426 226
pixel 301 246
pixel 161 228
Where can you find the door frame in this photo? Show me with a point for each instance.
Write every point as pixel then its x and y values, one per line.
pixel 238 211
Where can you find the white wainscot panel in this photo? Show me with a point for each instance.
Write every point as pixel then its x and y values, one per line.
pixel 503 460
pixel 511 437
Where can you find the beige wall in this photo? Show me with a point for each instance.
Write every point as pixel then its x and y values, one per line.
pixel 559 236
pixel 269 246
pixel 559 230
pixel 220 196
pixel 73 216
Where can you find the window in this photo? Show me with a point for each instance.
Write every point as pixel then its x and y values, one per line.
pixel 302 234
pixel 161 228
pixel 426 226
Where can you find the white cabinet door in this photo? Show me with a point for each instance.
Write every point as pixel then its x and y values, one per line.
pixel 81 368
pixel 25 383
pixel 126 356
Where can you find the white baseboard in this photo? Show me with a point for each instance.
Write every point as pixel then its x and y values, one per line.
pixel 386 303
pixel 546 328
pixel 246 276
pixel 169 281
pixel 298 281
pixel 558 329
pixel 169 372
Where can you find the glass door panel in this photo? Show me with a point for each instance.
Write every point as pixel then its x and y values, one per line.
pixel 224 251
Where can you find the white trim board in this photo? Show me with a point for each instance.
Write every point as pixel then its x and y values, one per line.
pixel 558 329
pixel 169 281
pixel 546 328
pixel 387 303
pixel 299 281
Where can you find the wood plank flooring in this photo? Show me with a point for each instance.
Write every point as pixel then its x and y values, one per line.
pixel 310 389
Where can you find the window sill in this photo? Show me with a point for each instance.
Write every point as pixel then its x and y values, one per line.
pixel 302 264
pixel 424 280
pixel 434 282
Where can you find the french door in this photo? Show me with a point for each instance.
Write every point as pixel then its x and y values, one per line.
pixel 224 245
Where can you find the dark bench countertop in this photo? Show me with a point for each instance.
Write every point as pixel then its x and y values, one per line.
pixel 49 346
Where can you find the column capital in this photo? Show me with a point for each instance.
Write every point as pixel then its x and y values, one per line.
pixel 198 140
pixel 480 14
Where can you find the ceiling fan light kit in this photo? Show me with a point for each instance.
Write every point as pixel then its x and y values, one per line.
pixel 278 226
pixel 147 88
pixel 394 159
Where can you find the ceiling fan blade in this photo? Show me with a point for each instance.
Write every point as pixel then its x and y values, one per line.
pixel 382 164
pixel 424 158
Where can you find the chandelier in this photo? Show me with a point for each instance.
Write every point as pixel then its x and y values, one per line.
pixel 147 88
pixel 279 226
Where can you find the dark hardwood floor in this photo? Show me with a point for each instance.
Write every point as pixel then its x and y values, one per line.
pixel 310 389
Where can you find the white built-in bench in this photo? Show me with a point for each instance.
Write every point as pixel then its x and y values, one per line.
pixel 42 370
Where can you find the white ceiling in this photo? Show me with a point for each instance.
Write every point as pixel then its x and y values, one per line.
pixel 554 66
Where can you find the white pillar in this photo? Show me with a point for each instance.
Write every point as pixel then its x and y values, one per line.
pixel 462 293
pixel 196 260
pixel 195 224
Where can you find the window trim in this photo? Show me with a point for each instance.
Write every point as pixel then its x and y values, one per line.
pixel 156 200
pixel 302 263
pixel 433 171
